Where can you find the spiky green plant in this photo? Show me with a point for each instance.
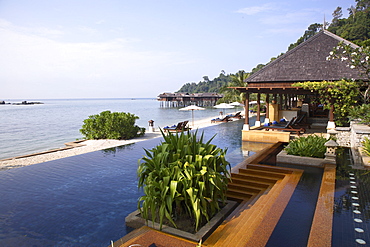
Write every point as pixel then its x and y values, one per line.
pixel 310 146
pixel 366 145
pixel 183 175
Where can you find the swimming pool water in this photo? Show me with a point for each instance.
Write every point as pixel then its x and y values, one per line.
pixel 294 226
pixel 351 220
pixel 83 200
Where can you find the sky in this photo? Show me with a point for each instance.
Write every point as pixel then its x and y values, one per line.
pixel 61 49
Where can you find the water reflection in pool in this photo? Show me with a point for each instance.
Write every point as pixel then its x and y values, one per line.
pixel 83 200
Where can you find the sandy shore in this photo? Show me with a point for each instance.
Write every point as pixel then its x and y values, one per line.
pixel 86 147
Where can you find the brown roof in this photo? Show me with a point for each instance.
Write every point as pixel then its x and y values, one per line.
pixel 307 62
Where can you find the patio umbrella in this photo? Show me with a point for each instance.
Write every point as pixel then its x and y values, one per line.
pixel 192 108
pixel 224 106
pixel 236 104
pixel 255 102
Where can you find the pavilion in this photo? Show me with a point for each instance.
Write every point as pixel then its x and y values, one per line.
pixel 306 62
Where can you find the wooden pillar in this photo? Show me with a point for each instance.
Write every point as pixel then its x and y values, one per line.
pixel 258 118
pixel 285 101
pixel 281 102
pixel 246 117
pixel 267 119
pixel 331 123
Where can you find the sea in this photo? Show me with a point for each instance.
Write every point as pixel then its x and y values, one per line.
pixel 27 129
pixel 82 200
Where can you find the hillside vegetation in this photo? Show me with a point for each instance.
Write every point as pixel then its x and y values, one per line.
pixel 355 28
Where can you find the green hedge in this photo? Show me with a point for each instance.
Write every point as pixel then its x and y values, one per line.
pixel 111 125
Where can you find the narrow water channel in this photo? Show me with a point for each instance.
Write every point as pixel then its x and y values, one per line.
pixel 294 226
pixel 351 222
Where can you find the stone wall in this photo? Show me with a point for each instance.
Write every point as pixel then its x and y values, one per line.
pixel 352 136
pixel 343 135
pixel 358 134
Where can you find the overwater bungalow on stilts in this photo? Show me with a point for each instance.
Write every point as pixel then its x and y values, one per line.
pixel 185 99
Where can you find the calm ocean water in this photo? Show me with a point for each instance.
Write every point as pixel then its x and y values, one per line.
pixel 28 129
pixel 83 200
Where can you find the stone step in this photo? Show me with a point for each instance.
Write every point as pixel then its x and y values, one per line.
pixel 251 183
pixel 253 178
pixel 231 194
pixel 243 188
pixel 261 173
pixel 275 169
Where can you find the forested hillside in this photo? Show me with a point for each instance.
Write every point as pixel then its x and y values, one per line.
pixel 206 86
pixel 355 28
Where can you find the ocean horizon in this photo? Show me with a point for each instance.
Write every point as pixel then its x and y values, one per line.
pixel 35 128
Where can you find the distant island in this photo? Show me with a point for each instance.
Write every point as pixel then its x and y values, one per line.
pixel 22 103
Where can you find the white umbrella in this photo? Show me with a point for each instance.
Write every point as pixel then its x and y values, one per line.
pixel 192 108
pixel 236 104
pixel 255 102
pixel 224 106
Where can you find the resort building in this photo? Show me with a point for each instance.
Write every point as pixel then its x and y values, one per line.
pixel 186 99
pixel 306 62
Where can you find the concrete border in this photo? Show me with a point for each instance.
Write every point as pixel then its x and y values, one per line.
pixel 283 157
pixel 322 223
pixel 364 157
pixel 133 220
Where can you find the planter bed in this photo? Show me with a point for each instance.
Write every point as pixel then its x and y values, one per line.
pixel 364 157
pixel 134 220
pixel 283 157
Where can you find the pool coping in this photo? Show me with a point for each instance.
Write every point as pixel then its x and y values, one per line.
pixel 134 220
pixel 284 157
pixel 322 224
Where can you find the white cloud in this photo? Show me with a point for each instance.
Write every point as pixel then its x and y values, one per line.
pixel 287 18
pixel 87 30
pixel 100 22
pixel 32 62
pixel 256 9
pixel 288 30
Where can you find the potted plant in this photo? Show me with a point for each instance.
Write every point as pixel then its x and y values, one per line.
pixel 183 175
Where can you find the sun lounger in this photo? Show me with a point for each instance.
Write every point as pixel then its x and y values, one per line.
pixel 217 120
pixel 236 115
pixel 285 124
pixel 181 126
pixel 287 127
pixel 301 122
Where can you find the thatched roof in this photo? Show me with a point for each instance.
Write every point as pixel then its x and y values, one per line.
pixel 307 62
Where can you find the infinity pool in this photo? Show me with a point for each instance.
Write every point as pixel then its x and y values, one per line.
pixel 83 200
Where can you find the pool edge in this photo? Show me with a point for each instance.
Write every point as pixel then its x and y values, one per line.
pixel 321 228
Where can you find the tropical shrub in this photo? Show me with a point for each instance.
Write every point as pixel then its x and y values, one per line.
pixel 366 146
pixel 341 94
pixel 361 113
pixel 310 146
pixel 357 58
pixel 111 125
pixel 183 175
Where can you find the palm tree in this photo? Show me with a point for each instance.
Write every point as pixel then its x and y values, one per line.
pixel 230 94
